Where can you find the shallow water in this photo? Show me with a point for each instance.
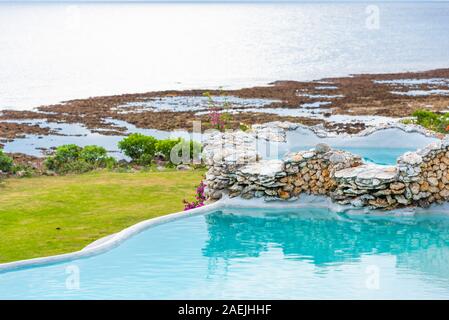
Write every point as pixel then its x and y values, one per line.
pixel 382 147
pixel 193 103
pixel 37 145
pixel 422 93
pixel 257 254
pixel 59 51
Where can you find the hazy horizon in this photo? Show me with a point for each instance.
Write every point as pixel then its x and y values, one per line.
pixel 225 1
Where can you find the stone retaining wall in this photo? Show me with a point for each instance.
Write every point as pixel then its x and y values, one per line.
pixel 236 169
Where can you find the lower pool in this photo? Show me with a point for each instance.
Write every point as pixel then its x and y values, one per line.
pixel 258 254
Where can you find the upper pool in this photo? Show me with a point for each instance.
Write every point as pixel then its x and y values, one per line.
pixel 381 147
pixel 257 254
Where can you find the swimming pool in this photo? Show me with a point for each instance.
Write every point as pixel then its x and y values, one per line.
pixel 249 253
pixel 381 147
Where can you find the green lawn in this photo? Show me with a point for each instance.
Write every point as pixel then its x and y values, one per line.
pixel 44 216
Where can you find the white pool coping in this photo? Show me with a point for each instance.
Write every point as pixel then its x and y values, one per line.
pixel 306 201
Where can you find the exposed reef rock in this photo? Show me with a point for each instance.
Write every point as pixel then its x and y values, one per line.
pixel 342 105
pixel 236 169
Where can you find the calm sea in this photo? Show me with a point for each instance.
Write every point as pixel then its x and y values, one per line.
pixel 54 52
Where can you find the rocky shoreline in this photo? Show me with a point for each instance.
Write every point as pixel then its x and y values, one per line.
pixel 336 105
pixel 236 169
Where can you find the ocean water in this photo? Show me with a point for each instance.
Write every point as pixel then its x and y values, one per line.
pixel 54 52
pixel 258 254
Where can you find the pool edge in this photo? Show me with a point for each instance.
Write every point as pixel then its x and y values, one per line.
pixel 113 240
pixel 109 242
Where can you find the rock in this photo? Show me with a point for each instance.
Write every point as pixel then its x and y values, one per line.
pixel 410 158
pixel 248 195
pixel 263 168
pixel 337 158
pixel 367 197
pixel 401 199
pixel 283 194
pixel 259 194
pixel 20 173
pixel 297 157
pixel 184 167
pixel 216 195
pixel 271 192
pixel 378 203
pixel 384 192
pixel 445 160
pixel 390 200
pixel 322 148
pixel 414 187
pixel 368 174
pixel 397 186
pixel 298 182
pixel 308 155
pixel 444 193
pixel 433 181
pixel 236 187
pixel 357 203
pixel 424 186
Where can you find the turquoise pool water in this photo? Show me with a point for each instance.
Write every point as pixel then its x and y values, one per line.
pixel 383 156
pixel 381 147
pixel 254 253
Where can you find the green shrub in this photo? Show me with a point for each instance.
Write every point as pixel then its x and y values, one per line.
pixel 142 149
pixel 23 171
pixel 77 166
pixel 95 155
pixel 63 155
pixel 71 158
pixel 66 153
pixel 431 120
pixel 189 145
pixel 6 163
pixel 138 147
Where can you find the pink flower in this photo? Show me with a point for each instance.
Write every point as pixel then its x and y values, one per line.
pixel 200 198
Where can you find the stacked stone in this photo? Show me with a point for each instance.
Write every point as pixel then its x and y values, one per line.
pixel 426 174
pixel 259 179
pixel 224 154
pixel 235 168
pixel 369 185
pixel 307 171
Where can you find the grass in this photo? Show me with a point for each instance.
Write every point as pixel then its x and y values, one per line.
pixel 44 216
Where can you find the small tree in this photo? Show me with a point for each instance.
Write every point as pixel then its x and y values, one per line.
pixel 138 147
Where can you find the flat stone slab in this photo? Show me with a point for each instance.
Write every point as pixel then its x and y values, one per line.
pixel 368 172
pixel 412 158
pixel 263 168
